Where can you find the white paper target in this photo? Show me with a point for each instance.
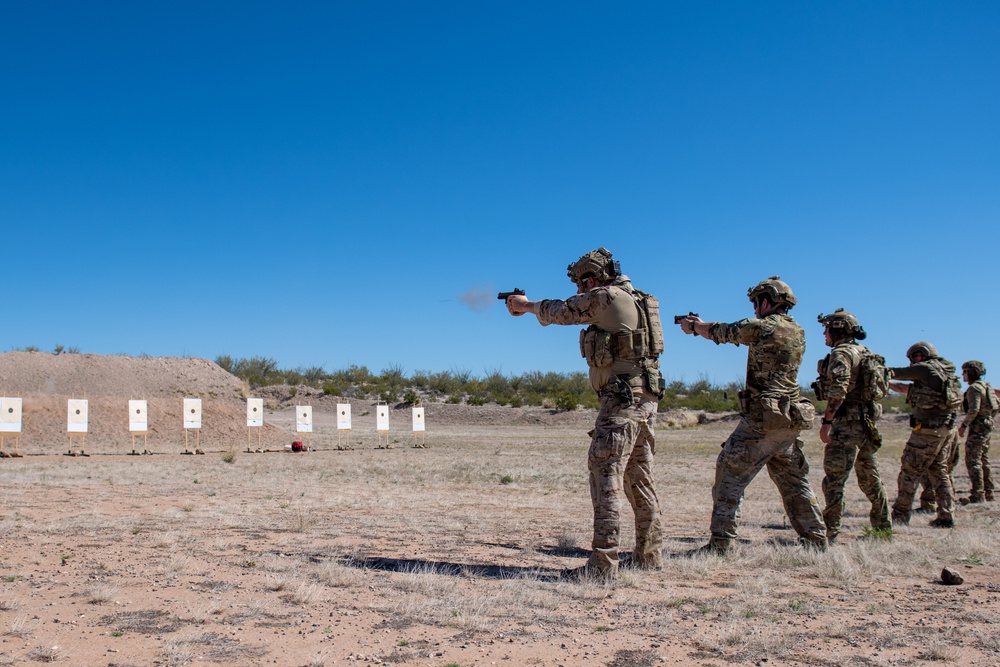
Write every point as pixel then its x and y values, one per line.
pixel 303 419
pixel 418 419
pixel 76 415
pixel 138 417
pixel 10 415
pixel 192 413
pixel 382 418
pixel 255 412
pixel 343 416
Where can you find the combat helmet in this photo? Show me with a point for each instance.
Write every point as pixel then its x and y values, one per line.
pixel 976 369
pixel 845 324
pixel 923 346
pixel 775 289
pixel 597 263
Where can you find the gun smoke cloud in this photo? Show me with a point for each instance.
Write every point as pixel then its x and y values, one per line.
pixel 478 298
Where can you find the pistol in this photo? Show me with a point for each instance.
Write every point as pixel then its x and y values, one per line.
pixel 678 318
pixel 503 295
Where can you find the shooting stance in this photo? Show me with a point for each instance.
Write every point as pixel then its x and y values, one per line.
pixel 773 414
pixel 935 394
pixel 622 345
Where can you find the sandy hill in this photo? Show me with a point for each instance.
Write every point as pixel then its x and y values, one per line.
pixel 44 381
pixel 96 375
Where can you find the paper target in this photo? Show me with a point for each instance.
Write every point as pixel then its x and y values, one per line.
pixel 303 419
pixel 10 415
pixel 138 416
pixel 76 415
pixel 382 418
pixel 255 412
pixel 418 419
pixel 192 413
pixel 343 416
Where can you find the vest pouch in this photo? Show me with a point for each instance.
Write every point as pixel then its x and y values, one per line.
pixel 802 413
pixel 595 346
pixel 776 413
pixel 654 382
pixel 925 398
pixel 992 400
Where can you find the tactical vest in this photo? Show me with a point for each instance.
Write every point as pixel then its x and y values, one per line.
pixel 773 361
pixel 641 346
pixel 989 405
pixel 602 348
pixel 945 397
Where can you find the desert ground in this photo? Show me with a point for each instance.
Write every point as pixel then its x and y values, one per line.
pixel 441 556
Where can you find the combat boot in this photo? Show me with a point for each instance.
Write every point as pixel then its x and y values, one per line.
pixel 989 496
pixel 900 518
pixel 717 546
pixel 926 508
pixel 810 544
pixel 942 523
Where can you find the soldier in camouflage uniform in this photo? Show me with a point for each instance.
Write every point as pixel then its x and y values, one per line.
pixel 980 405
pixel 773 415
pixel 933 428
pixel 849 432
pixel 621 345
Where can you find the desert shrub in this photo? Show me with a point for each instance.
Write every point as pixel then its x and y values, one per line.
pixel 476 400
pixel 411 397
pixel 566 402
pixel 332 389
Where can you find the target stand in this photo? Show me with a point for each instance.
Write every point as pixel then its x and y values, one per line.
pixel 418 427
pixel 76 424
pixel 344 439
pixel 16 454
pixel 250 430
pixel 344 426
pixel 192 422
pixel 145 450
pixel 197 441
pixel 10 426
pixel 255 421
pixel 138 423
pixel 82 438
pixel 382 425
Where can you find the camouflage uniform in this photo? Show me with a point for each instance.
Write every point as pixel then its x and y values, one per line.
pixel 928 497
pixel 622 442
pixel 855 440
pixel 768 432
pixel 979 422
pixel 928 448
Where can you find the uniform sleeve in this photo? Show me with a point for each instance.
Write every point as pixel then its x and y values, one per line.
pixel 974 400
pixel 579 309
pixel 914 372
pixel 744 332
pixel 839 373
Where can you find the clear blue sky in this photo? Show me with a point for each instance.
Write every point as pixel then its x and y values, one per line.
pixel 322 182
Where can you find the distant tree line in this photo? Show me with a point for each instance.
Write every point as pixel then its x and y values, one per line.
pixel 562 391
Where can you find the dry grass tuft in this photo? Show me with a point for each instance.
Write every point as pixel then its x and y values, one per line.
pixel 100 594
pixel 337 575
pixel 21 626
pixel 46 654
